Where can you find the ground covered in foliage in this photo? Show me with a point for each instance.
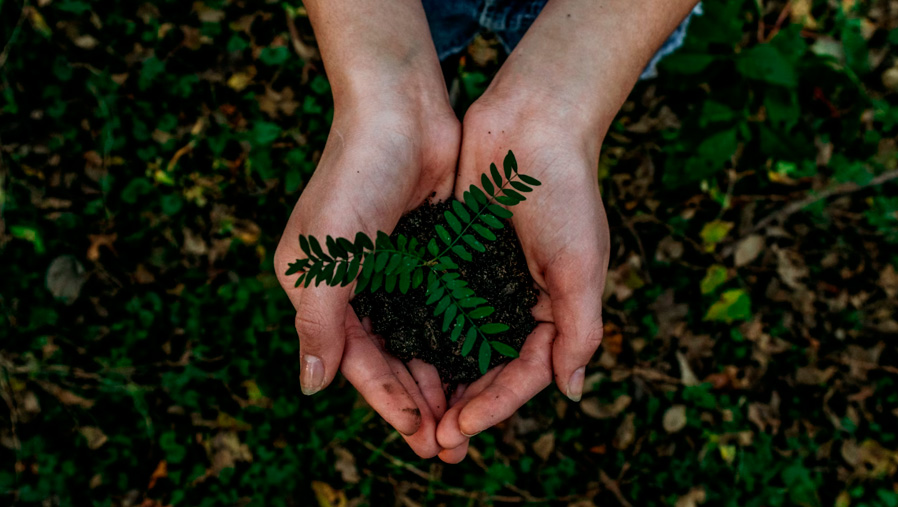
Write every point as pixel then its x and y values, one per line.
pixel 151 153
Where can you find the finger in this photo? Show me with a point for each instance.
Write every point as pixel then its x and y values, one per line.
pixel 366 368
pixel 521 379
pixel 320 324
pixel 453 456
pixel 431 386
pixel 577 312
pixel 449 436
pixel 423 441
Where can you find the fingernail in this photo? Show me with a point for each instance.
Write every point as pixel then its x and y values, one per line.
pixel 311 375
pixel 469 436
pixel 575 384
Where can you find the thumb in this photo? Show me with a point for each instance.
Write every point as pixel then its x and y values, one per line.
pixel 320 320
pixel 576 293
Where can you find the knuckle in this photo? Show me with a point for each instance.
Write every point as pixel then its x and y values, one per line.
pixel 309 326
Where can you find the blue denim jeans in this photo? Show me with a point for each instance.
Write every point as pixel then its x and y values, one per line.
pixel 454 23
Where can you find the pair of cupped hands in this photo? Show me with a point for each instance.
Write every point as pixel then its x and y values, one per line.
pixel 384 158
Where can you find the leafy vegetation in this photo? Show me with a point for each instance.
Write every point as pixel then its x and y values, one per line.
pixel 150 154
pixel 405 263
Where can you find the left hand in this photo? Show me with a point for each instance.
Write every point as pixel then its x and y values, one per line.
pixel 564 234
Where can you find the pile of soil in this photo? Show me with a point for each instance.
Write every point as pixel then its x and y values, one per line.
pixel 499 275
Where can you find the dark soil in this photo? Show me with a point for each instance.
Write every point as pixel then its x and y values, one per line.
pixel 407 323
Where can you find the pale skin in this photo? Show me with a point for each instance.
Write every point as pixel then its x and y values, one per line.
pixel 395 140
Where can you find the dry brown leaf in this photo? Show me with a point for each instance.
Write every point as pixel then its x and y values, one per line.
pixel 544 445
pixel 345 464
pixel 86 42
pixel 227 450
pixel 810 375
pixel 686 374
pixel 70 398
pixel 748 249
pixel 626 433
pixel 695 496
pixel 596 410
pixel 160 472
pixel 100 240
pixel 675 418
pixel 95 436
pixel 65 277
pixel 888 280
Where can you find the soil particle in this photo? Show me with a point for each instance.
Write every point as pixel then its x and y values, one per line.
pixel 407 323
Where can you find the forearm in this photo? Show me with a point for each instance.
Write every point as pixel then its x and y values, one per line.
pixel 375 50
pixel 583 57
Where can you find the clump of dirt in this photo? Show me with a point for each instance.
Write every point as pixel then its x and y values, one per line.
pixel 499 275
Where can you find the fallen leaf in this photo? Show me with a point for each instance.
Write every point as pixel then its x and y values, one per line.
pixel 714 232
pixel 328 496
pixel 95 436
pixel 733 305
pixel 544 445
pixel 810 375
pixel 687 376
pixel 160 472
pixel 748 250
pixel 695 496
pixel 801 14
pixel 100 240
pixel 65 277
pixel 345 464
pixel 240 80
pixel 728 453
pixel 675 418
pixel 596 410
pixel 626 433
pixel 716 276
pixel 68 397
pixel 86 42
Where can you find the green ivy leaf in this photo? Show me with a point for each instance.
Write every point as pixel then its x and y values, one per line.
pixel 715 277
pixel 733 305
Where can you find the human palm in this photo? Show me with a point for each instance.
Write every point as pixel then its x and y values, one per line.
pixel 375 168
pixel 564 235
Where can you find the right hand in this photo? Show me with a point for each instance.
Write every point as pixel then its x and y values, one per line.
pixel 381 160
